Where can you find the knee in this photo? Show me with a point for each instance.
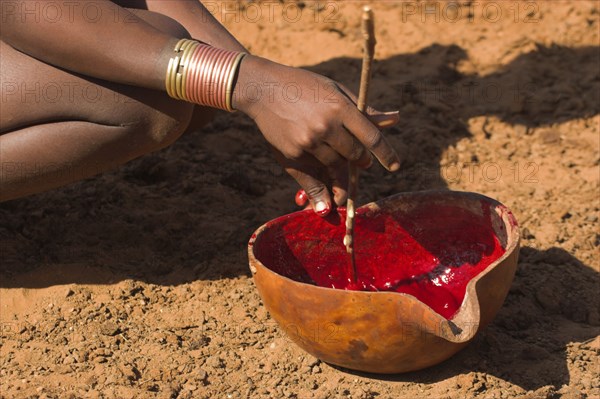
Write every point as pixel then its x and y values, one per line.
pixel 164 23
pixel 161 129
pixel 155 121
pixel 164 129
pixel 172 27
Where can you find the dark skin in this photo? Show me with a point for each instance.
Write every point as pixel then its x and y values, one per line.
pixel 49 140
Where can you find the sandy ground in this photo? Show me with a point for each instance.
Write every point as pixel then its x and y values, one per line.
pixel 135 284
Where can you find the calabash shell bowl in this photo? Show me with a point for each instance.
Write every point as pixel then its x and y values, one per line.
pixel 389 332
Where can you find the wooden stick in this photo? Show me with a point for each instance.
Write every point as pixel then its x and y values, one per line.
pixel 368 31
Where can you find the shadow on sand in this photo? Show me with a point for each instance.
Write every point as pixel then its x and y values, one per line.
pixel 117 241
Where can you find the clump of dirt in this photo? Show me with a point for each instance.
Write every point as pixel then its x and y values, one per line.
pixel 135 284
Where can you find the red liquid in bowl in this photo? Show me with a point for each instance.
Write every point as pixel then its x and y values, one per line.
pixel 431 252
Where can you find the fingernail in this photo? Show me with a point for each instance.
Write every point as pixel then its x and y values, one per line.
pixel 388 119
pixel 394 167
pixel 322 208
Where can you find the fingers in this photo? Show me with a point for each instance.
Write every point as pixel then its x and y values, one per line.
pixel 350 149
pixel 339 184
pixel 364 130
pixel 373 140
pixel 353 150
pixel 327 156
pixel 381 119
pixel 370 110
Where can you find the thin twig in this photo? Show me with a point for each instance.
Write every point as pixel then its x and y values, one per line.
pixel 368 31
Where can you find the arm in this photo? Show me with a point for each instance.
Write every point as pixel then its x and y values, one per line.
pixel 198 21
pixel 94 38
pixel 312 136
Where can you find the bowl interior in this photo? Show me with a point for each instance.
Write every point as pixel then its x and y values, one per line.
pixel 426 246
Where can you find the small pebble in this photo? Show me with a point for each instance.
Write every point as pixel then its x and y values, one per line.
pixel 109 328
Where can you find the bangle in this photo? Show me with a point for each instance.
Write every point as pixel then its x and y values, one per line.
pixel 188 49
pixel 190 90
pixel 172 70
pixel 202 74
pixel 230 80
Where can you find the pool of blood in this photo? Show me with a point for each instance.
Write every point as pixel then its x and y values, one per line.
pixel 430 252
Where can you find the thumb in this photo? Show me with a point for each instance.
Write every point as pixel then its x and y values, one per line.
pixel 383 119
pixel 378 118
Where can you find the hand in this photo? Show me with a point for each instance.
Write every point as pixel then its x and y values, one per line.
pixel 313 126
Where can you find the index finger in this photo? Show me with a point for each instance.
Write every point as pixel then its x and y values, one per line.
pixel 372 138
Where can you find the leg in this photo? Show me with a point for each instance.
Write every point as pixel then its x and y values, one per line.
pixel 58 127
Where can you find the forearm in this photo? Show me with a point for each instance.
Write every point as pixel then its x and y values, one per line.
pixel 198 21
pixel 94 38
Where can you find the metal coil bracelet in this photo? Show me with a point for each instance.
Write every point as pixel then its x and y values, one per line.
pixel 202 74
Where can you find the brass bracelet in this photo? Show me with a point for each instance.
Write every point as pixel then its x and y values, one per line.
pixel 168 77
pixel 173 68
pixel 190 89
pixel 188 49
pixel 219 79
pixel 232 73
pixel 202 74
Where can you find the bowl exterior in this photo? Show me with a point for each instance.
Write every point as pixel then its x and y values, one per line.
pixel 381 332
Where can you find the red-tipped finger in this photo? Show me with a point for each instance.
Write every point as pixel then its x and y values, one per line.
pixel 301 197
pixel 316 191
pixel 308 177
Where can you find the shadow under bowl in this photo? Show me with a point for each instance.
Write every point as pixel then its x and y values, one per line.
pixel 407 327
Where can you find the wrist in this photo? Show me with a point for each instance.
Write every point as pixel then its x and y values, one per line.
pixel 247 89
